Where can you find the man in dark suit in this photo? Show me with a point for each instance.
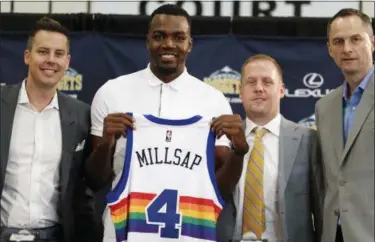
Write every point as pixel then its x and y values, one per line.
pixel 43 147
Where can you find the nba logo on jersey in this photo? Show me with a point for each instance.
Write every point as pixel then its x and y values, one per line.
pixel 168 136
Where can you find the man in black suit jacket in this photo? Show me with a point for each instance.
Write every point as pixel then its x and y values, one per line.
pixel 43 146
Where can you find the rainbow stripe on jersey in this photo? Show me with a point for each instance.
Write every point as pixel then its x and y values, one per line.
pixel 199 216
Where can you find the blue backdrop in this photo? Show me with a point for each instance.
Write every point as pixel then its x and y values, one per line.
pixel 309 72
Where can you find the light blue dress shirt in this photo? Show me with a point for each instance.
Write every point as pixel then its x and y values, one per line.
pixel 350 105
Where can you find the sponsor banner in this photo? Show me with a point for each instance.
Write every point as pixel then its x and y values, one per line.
pixel 282 8
pixel 308 71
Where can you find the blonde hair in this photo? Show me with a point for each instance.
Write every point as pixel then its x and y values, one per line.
pixel 263 57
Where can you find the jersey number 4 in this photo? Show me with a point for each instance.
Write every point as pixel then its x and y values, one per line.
pixel 169 220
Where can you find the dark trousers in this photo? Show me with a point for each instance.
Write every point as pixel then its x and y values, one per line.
pixel 51 234
pixel 339 237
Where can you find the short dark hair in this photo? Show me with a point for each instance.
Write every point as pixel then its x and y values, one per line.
pixel 47 24
pixel 347 12
pixel 171 9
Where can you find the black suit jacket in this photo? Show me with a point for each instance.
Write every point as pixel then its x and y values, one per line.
pixel 76 200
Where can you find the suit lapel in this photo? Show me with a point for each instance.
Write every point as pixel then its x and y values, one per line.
pixel 9 99
pixel 363 110
pixel 336 126
pixel 68 133
pixel 288 146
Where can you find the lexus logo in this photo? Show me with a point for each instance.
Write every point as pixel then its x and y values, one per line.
pixel 313 80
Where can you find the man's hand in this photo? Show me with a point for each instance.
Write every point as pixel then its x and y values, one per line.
pixel 115 125
pixel 232 127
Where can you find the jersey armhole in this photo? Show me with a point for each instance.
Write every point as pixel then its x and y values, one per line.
pixel 211 165
pixel 115 193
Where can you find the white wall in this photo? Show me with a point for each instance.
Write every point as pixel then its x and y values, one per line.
pixel 368 8
pixel 281 8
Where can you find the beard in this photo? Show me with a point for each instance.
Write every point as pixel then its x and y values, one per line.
pixel 166 70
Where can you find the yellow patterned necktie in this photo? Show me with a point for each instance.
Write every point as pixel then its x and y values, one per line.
pixel 253 209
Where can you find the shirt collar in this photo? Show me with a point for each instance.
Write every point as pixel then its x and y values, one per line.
pixel 361 86
pixel 176 84
pixel 272 126
pixel 24 99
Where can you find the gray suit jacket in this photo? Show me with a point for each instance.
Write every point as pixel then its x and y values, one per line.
pixel 300 198
pixel 349 169
pixel 76 211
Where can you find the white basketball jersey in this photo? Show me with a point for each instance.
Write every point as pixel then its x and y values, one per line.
pixel 167 191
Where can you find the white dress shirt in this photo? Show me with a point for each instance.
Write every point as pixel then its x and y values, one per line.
pixel 30 194
pixel 270 141
pixel 143 92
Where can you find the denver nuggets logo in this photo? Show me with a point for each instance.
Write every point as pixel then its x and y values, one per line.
pixel 227 81
pixel 309 122
pixel 71 83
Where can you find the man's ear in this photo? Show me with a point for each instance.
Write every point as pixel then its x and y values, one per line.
pixel 26 56
pixel 329 47
pixel 148 41
pixel 190 44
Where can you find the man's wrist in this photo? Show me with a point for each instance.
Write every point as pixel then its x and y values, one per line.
pixel 108 142
pixel 238 152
